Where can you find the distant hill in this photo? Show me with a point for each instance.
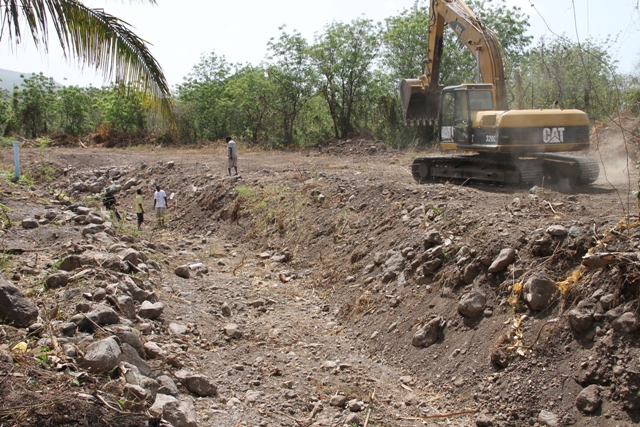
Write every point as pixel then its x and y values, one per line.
pixel 9 78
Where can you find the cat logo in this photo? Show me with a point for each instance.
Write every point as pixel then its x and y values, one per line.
pixel 457 27
pixel 552 135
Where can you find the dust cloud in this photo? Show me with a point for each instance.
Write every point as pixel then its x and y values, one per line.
pixel 619 172
pixel 617 157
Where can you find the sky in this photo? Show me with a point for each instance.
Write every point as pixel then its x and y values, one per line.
pixel 181 31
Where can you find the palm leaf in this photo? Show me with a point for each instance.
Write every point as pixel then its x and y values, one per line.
pixel 92 36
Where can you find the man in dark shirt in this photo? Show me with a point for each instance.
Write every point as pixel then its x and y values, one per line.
pixel 109 201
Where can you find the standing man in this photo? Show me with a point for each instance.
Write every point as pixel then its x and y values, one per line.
pixel 139 208
pixel 160 204
pixel 232 155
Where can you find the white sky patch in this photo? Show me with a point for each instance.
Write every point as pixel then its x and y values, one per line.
pixel 390 6
pixel 181 31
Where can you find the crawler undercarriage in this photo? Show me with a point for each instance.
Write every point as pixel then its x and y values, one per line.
pixel 534 169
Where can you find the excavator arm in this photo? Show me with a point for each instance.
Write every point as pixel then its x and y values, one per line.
pixel 420 97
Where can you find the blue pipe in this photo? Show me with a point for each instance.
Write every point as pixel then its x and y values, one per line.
pixel 16 158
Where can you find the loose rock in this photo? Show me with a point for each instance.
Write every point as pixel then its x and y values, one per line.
pixel 15 308
pixel 180 414
pixel 505 257
pixel 57 280
pixel 200 385
pixel 428 334
pixel 150 310
pixel 539 292
pixel 182 271
pixel 101 356
pixel 589 400
pixel 472 304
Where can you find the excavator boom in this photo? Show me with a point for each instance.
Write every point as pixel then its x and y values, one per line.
pixel 421 97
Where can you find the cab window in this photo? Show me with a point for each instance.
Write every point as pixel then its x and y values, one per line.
pixel 480 100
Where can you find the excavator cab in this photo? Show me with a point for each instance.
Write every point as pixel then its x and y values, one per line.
pixel 455 117
pixel 457 104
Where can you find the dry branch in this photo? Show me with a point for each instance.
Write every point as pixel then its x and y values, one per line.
pixel 604 259
pixel 240 264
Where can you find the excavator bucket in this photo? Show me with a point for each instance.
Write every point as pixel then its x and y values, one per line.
pixel 420 104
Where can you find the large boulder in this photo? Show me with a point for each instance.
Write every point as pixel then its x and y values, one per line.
pixel 101 315
pixel 15 308
pixel 428 334
pixel 505 257
pixel 150 310
pixel 101 356
pixel 472 303
pixel 540 291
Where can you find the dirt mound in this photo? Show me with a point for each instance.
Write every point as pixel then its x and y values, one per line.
pixel 356 147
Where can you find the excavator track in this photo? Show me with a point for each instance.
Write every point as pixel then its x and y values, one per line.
pixel 577 170
pixel 507 170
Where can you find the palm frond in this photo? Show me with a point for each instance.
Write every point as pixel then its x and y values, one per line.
pixel 92 36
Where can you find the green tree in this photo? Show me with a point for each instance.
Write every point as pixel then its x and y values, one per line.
pixel 92 36
pixel 292 76
pixel 577 75
pixel 5 110
pixel 246 94
pixel 314 124
pixel 202 91
pixel 404 42
pixel 35 105
pixel 631 94
pixel 74 108
pixel 344 55
pixel 123 108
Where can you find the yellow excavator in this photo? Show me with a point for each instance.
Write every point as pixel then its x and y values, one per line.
pixel 505 146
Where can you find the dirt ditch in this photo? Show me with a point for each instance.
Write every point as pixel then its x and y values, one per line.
pixel 333 290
